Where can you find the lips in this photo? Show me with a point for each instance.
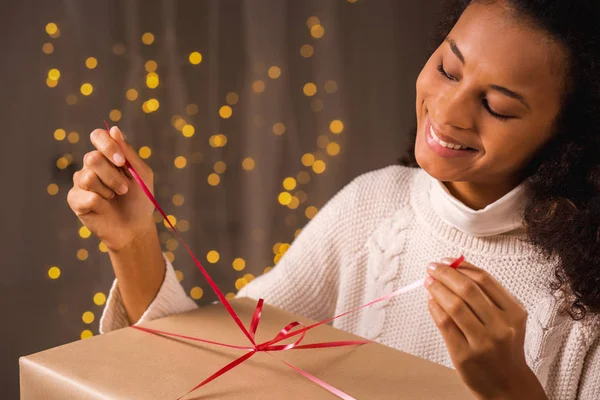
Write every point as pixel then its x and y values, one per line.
pixel 446 141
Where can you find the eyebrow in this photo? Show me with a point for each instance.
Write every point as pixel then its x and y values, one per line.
pixel 501 89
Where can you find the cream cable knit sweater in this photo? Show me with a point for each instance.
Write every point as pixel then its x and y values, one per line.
pixel 378 234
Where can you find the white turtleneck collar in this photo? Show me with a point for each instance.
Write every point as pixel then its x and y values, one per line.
pixel 503 215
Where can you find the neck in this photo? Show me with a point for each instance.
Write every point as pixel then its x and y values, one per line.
pixel 478 196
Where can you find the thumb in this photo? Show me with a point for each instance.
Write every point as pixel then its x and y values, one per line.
pixel 130 154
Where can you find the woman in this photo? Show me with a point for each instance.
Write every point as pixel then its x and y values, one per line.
pixel 508 110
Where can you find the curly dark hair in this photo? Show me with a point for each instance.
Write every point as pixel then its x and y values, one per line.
pixel 562 210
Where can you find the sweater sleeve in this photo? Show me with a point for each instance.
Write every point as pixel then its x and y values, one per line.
pixel 589 383
pixel 170 299
pixel 305 281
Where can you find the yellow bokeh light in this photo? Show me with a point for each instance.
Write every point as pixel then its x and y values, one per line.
pixel 51 83
pixel 88 317
pixel 333 149
pixel 239 264
pixel 196 293
pixel 220 167
pixel 52 189
pixel 240 283
pixel 73 137
pixel 312 21
pixel 62 163
pixel 115 115
pixel 60 134
pixel 248 164
pixel 277 258
pixel 213 256
pixel 225 112
pixel 306 50
pixel 232 98
pixel 53 272
pixel 145 152
pixel 195 58
pixel 218 140
pixel 152 80
pixel 310 89
pixel 150 66
pixel 191 109
pixel 84 232
pixel 99 299
pixel 131 94
pixel 274 72
pixel 352 1
pixel 213 179
pixel 317 31
pixel 308 159
pixel 279 128
pixel 170 256
pixel 294 204
pixel 102 247
pixel 82 254
pixel 54 74
pixel 71 99
pixel 179 275
pixel 303 177
pixel 152 105
pixel 188 130
pixel 322 141
pixel 319 166
pixel 145 107
pixel 86 334
pixel 230 296
pixel 183 225
pixel 289 183
pixel 172 244
pixel 302 196
pixel 48 48
pixel 147 38
pixel 171 219
pixel 267 269
pixel 178 122
pixel 86 89
pixel 178 199
pixel 258 86
pixel 330 86
pixel 284 198
pixel 91 62
pixel 248 277
pixel 283 248
pixel 336 126
pixel 51 28
pixel 310 212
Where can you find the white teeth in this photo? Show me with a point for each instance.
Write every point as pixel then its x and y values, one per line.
pixel 452 146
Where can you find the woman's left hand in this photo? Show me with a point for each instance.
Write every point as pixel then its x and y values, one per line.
pixel 483 326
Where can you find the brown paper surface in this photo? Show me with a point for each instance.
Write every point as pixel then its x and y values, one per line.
pixel 131 364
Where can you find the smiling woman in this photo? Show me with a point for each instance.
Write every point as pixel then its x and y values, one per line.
pixel 507 111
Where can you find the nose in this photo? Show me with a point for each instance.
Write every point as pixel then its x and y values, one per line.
pixel 453 108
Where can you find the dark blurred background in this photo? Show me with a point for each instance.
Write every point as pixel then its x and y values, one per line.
pixel 252 114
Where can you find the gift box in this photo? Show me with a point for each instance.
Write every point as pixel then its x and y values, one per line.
pixel 134 364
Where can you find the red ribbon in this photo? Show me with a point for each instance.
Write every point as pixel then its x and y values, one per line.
pixel 285 333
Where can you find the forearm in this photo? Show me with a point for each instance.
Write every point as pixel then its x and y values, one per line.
pixel 140 269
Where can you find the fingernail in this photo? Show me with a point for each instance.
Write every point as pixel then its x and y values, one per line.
pixel 447 261
pixel 123 189
pixel 120 134
pixel 429 296
pixel 428 281
pixel 431 267
pixel 119 159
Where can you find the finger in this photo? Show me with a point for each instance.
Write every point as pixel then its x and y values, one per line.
pixel 467 289
pixel 453 337
pixel 490 286
pixel 130 154
pixel 88 180
pixel 83 202
pixel 456 309
pixel 108 147
pixel 106 171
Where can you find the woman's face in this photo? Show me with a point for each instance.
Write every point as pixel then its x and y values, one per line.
pixel 487 98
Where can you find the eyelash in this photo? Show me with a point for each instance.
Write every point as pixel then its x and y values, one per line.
pixel 500 117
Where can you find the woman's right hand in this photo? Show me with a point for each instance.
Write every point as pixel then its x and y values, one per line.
pixel 106 198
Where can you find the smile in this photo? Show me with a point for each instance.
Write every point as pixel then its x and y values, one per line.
pixel 448 145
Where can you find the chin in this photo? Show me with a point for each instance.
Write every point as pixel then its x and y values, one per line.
pixel 435 166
